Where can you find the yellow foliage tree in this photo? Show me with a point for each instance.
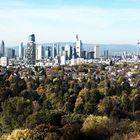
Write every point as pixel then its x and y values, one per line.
pixel 94 122
pixel 17 134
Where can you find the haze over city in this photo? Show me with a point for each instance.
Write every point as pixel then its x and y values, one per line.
pixel 95 21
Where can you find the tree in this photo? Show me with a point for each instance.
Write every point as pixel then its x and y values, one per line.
pixel 14 113
pixel 79 105
pixel 30 94
pixel 110 106
pixel 96 127
pixel 35 119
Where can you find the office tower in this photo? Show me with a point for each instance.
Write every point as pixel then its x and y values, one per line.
pixel 74 55
pixel 97 51
pixel 62 50
pixel 31 50
pixel 31 38
pixel 83 54
pixel 90 55
pixel 40 53
pixel 21 50
pixel 106 54
pixel 47 54
pixel 10 53
pixel 54 50
pixel 68 51
pixel 2 49
pixel 58 49
pixel 78 46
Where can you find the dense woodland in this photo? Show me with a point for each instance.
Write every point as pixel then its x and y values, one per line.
pixel 58 107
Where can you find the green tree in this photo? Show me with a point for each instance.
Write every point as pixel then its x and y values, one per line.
pixel 14 113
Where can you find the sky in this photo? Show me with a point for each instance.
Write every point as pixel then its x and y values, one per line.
pixel 95 21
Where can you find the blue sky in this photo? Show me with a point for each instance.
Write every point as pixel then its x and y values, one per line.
pixel 96 21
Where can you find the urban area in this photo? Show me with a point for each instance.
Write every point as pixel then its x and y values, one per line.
pixel 68 93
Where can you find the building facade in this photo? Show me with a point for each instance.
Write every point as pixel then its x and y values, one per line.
pixel 21 50
pixel 78 47
pixel 31 50
pixel 96 51
pixel 2 50
pixel 39 53
pixel 10 53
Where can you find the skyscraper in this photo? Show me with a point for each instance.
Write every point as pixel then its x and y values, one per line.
pixel 68 51
pixel 78 46
pixel 106 54
pixel 31 50
pixel 39 53
pixel 96 51
pixel 10 53
pixel 2 51
pixel 47 54
pixel 21 50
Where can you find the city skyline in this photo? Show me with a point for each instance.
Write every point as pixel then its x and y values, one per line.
pixel 96 22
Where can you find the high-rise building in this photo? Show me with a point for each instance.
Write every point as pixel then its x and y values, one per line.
pixel 39 53
pixel 84 54
pixel 21 50
pixel 2 51
pixel 96 51
pixel 78 46
pixel 68 51
pixel 54 50
pixel 31 38
pixel 90 55
pixel 31 50
pixel 58 49
pixel 47 54
pixel 106 54
pixel 10 53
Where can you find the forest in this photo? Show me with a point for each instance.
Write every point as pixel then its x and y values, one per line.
pixel 51 104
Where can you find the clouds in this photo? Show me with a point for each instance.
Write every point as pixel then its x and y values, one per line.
pixel 61 23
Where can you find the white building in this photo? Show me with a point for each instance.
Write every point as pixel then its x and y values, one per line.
pixel 96 51
pixel 39 53
pixel 21 50
pixel 78 46
pixel 63 60
pixel 4 61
